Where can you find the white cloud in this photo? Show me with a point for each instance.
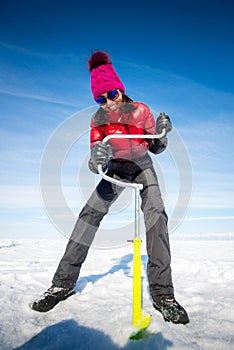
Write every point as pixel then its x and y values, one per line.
pixel 205 218
pixel 41 98
pixel 13 196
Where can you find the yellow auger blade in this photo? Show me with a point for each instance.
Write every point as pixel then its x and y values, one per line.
pixel 140 319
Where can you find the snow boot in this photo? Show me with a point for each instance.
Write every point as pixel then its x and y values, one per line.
pixel 51 298
pixel 171 310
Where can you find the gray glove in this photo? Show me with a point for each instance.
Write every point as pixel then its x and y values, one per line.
pixel 163 122
pixel 100 154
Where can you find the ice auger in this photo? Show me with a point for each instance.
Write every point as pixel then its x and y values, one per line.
pixel 140 319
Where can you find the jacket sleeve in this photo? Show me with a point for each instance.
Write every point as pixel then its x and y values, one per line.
pixel 96 134
pixel 155 146
pixel 150 125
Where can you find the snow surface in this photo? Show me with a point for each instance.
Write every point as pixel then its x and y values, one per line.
pixel 98 316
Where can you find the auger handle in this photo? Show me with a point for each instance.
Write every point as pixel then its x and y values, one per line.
pixel 130 136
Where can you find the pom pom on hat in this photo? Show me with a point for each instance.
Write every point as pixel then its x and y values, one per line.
pixel 97 59
pixel 103 77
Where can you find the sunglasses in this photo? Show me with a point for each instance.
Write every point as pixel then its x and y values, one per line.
pixel 111 95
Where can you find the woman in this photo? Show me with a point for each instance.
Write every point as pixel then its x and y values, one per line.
pixel 128 160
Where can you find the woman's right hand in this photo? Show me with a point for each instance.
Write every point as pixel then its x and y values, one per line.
pixel 100 154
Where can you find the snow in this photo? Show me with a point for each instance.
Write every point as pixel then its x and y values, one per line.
pixel 98 316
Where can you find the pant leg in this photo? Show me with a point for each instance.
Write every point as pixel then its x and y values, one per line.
pixel 157 239
pixel 83 233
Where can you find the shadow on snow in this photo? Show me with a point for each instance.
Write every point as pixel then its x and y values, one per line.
pixel 10 245
pixel 70 335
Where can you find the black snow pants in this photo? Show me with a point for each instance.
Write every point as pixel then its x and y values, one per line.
pixel 155 219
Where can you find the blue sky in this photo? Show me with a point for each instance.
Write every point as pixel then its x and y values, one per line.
pixel 176 56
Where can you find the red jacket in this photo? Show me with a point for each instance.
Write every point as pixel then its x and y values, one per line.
pixel 139 121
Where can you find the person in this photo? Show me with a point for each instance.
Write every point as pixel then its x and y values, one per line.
pixel 127 160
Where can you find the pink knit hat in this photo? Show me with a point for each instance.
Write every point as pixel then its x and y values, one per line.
pixel 102 74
